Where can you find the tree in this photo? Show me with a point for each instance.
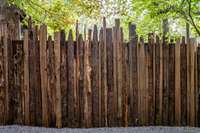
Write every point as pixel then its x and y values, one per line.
pixel 57 14
pixel 183 10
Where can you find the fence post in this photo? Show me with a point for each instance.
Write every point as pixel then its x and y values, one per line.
pixel 177 84
pixel 95 78
pixel 57 51
pixel 26 79
pixel 43 72
pixel 63 74
pixel 183 75
pixel 71 81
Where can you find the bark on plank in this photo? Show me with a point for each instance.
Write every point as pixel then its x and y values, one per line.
pixel 58 104
pixel 43 71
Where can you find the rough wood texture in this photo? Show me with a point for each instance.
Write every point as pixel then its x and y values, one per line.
pixel 26 88
pixel 43 72
pixel 58 104
pixel 177 84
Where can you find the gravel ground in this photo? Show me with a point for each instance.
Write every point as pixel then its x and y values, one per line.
pixel 26 129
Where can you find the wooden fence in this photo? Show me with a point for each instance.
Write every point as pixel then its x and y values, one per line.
pixel 98 82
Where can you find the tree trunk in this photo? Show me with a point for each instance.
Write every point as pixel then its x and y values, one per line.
pixel 165 29
pixel 187 32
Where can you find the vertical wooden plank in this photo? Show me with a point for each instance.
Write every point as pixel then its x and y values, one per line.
pixel 104 76
pixel 77 66
pixel 63 77
pixel 32 76
pixel 51 81
pixel 38 91
pixel 26 79
pixel 110 71
pixel 171 84
pixel 125 85
pixel 87 86
pixel 198 81
pixel 71 81
pixel 142 83
pixel 165 111
pixel 95 78
pixel 2 85
pixel 118 41
pixel 43 71
pixel 81 82
pixel 183 75
pixel 115 70
pixel 177 84
pixel 158 82
pixel 151 80
pixel 192 79
pixel 57 51
pixel 133 76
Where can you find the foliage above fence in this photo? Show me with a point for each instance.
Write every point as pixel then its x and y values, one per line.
pixel 98 82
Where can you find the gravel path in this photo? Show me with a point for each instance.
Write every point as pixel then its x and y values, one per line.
pixel 25 129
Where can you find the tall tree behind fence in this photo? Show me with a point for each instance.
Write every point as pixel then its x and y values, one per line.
pixel 98 82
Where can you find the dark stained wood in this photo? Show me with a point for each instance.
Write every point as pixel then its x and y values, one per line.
pixel 165 111
pixel 71 88
pixel 110 82
pixel 63 77
pixel 158 82
pixel 95 79
pixel 81 82
pixel 2 85
pixel 177 84
pixel 25 92
pixel 102 42
pixel 51 82
pixel 171 74
pixel 183 76
pixel 198 78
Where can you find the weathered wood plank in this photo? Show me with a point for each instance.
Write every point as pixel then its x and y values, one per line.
pixel 2 85
pixel 165 112
pixel 71 88
pixel 51 81
pixel 198 80
pixel 177 84
pixel 38 91
pixel 171 84
pixel 81 82
pixel 158 81
pixel 58 104
pixel 26 89
pixel 110 93
pixel 183 76
pixel 43 71
pixel 95 79
pixel 133 76
pixel 63 77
